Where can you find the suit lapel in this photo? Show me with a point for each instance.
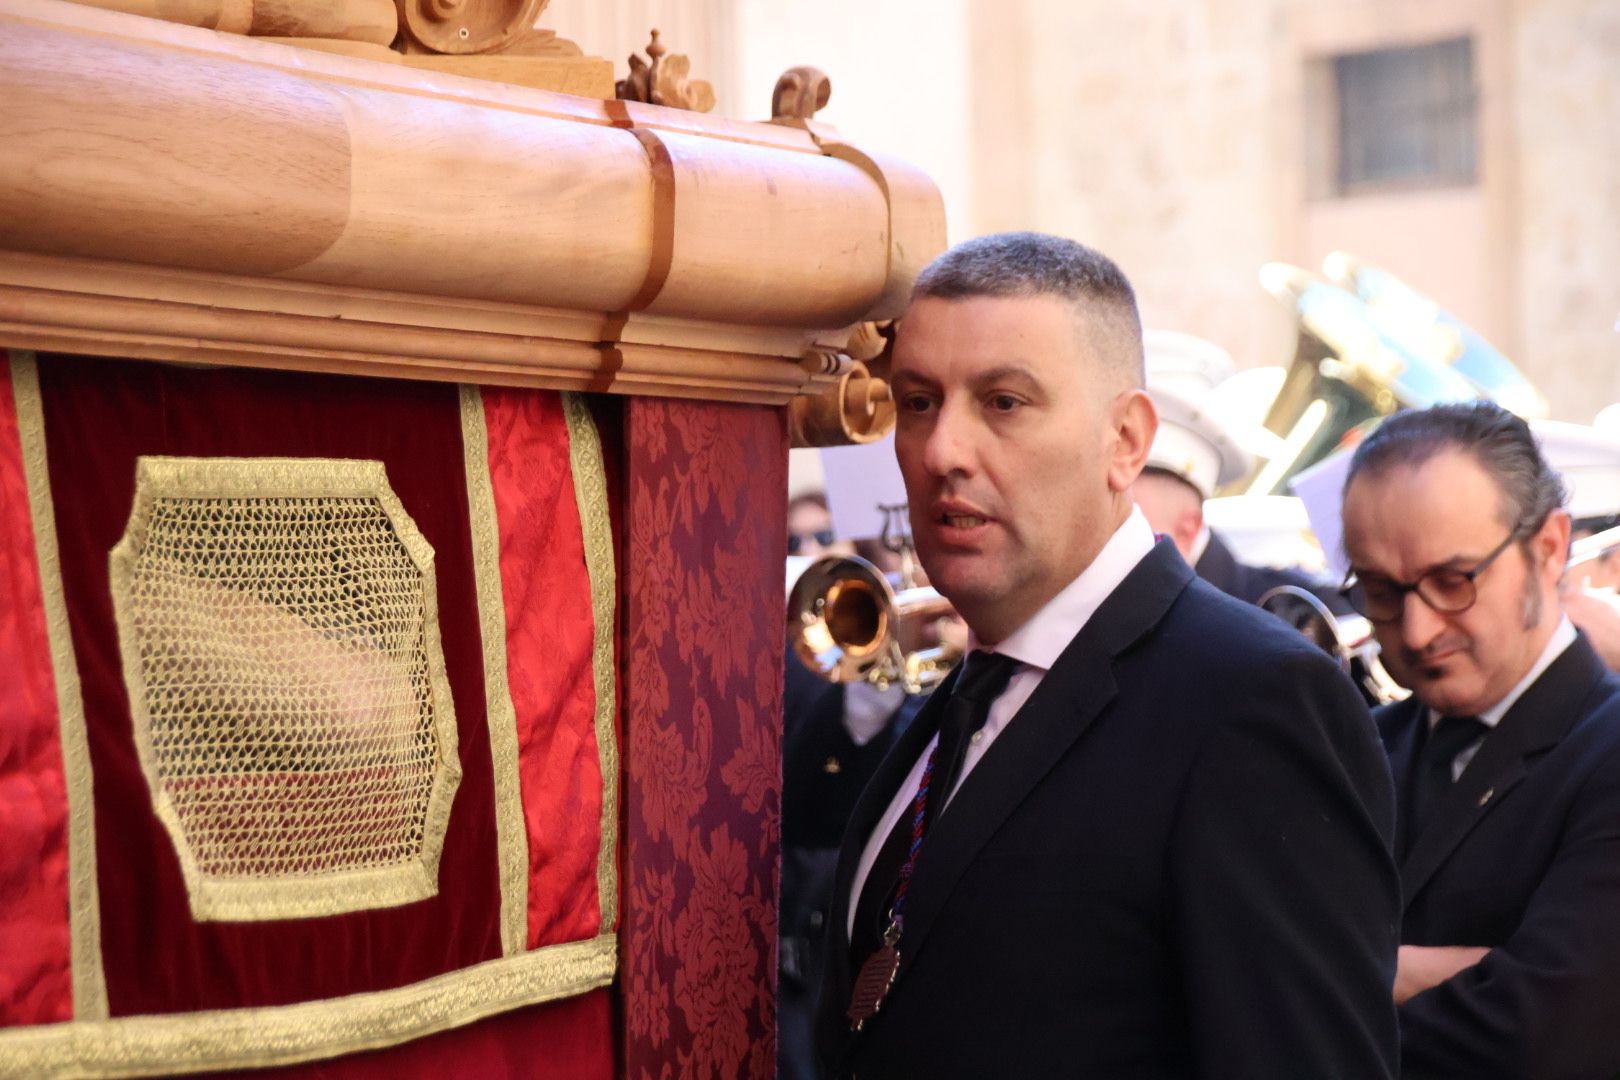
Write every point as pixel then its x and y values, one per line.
pixel 1541 717
pixel 1068 699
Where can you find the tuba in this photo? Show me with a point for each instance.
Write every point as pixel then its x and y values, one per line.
pixel 1347 372
pixel 1368 345
pixel 848 624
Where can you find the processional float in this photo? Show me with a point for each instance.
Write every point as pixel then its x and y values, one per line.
pixel 393 454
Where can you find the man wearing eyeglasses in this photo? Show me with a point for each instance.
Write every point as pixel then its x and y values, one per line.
pixel 1506 759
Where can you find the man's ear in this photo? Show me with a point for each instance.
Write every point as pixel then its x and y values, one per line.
pixel 1133 421
pixel 1551 546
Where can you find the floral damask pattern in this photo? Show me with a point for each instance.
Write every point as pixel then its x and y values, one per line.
pixel 705 491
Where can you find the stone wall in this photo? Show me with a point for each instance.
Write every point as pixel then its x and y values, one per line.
pixel 1150 132
pixel 1567 111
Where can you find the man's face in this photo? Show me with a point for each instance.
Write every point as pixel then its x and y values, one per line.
pixel 1172 507
pixel 810 531
pixel 1010 449
pixel 1447 511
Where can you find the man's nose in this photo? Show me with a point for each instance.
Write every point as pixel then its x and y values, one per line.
pixel 1420 623
pixel 949 448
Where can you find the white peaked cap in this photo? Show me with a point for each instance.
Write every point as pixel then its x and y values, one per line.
pixel 1174 358
pixel 1192 442
pixel 1588 459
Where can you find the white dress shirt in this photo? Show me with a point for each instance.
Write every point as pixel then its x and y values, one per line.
pixel 1563 637
pixel 1036 646
pixel 867 709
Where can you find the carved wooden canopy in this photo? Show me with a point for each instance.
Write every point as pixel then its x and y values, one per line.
pixel 175 193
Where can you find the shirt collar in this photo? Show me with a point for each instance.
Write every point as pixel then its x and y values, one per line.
pixel 1562 638
pixel 1040 641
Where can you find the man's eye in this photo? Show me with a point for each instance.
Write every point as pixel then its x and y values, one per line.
pixel 1004 402
pixel 916 403
pixel 1379 590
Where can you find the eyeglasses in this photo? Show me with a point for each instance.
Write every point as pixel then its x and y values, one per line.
pixel 1445 589
pixel 796 541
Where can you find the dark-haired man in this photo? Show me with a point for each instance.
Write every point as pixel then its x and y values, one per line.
pixel 1144 830
pixel 1506 759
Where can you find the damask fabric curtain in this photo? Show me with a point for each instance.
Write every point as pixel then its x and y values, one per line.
pixel 307 734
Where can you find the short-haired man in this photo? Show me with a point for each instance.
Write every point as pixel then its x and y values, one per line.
pixel 1506 758
pixel 1144 830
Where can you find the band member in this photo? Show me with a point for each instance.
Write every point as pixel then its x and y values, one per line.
pixel 810 528
pixel 1193 453
pixel 1144 830
pixel 1506 759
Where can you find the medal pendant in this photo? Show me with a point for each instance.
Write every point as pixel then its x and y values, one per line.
pixel 873 983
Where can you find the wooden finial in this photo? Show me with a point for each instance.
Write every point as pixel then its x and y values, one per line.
pixel 663 80
pixel 800 93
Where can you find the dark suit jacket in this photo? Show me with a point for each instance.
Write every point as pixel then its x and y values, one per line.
pixel 1522 855
pixel 1173 862
pixel 1219 566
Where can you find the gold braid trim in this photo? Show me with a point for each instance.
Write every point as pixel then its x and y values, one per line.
pixel 590 491
pixel 84 904
pixel 256 1038
pixel 511 831
pixel 328 864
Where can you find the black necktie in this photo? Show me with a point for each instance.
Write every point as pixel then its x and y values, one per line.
pixel 982 680
pixel 1431 775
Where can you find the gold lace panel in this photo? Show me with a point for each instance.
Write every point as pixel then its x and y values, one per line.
pixel 278 624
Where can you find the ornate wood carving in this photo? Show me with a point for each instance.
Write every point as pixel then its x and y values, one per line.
pixel 664 80
pixel 459 27
pixel 860 409
pixel 375 21
pixel 800 93
pixel 304 222
pixel 481 39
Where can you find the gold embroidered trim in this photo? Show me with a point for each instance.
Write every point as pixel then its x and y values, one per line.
pixel 255 1038
pixel 511 831
pixel 84 906
pixel 590 491
pixel 278 622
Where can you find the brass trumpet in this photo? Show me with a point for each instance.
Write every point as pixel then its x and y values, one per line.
pixel 848 624
pixel 1346 638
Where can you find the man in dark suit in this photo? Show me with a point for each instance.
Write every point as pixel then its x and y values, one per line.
pixel 1506 757
pixel 1144 830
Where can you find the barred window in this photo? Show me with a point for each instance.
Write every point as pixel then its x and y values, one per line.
pixel 1407 117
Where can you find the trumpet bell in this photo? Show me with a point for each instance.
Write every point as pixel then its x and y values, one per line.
pixel 1306 613
pixel 838 618
pixel 846 624
pixel 1348 639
